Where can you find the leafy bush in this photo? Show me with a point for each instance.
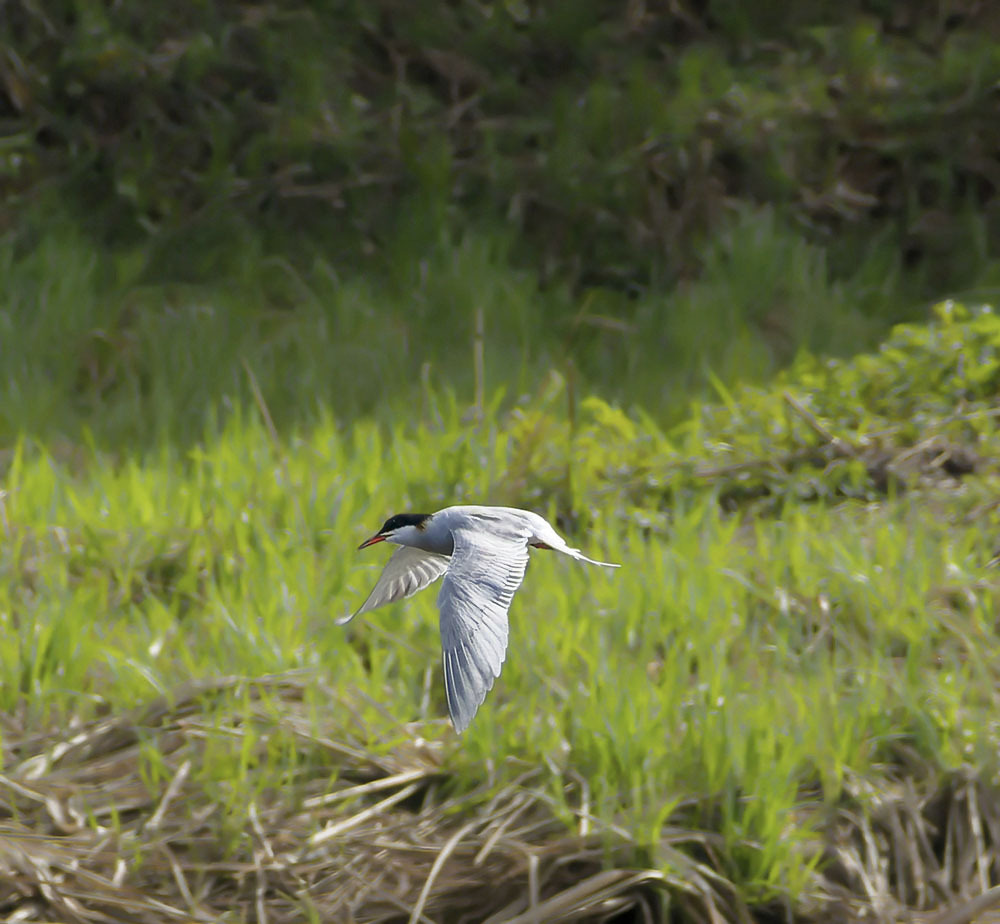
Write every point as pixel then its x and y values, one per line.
pixel 922 408
pixel 611 137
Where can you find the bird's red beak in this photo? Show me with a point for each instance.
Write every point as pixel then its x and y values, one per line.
pixel 378 537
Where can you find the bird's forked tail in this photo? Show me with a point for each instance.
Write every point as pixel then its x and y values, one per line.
pixel 579 556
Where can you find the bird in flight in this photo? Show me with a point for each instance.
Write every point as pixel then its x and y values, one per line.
pixel 481 552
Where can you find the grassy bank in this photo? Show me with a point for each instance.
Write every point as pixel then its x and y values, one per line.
pixel 106 341
pixel 779 693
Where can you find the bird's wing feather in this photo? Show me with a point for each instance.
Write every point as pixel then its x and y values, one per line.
pixel 487 568
pixel 406 572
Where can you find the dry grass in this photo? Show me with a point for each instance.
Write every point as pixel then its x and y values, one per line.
pixel 919 846
pixel 84 838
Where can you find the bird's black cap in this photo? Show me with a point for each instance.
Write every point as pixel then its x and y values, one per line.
pixel 405 519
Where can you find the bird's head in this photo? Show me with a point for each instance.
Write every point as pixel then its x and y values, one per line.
pixel 399 529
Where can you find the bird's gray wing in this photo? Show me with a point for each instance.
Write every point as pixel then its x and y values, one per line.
pixel 486 570
pixel 406 572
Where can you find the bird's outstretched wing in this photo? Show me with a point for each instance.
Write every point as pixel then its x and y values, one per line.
pixel 486 569
pixel 406 572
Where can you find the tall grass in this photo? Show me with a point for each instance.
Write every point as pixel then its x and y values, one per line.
pixel 117 342
pixel 732 675
pixel 184 486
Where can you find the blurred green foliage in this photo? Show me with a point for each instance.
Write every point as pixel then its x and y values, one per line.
pixel 611 137
pixel 92 342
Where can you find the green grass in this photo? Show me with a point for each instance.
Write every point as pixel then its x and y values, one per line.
pixel 805 608
pixel 731 676
pixel 118 344
pixel 235 339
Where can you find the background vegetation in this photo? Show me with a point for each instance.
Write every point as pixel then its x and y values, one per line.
pixel 271 272
pixel 346 183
